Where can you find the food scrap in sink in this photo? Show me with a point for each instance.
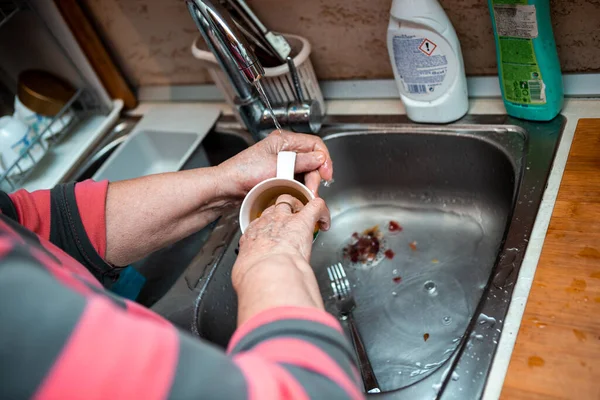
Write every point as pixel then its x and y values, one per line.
pixel 413 245
pixel 394 226
pixel 365 248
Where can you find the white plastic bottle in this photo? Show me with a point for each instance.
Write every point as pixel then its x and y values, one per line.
pixel 427 61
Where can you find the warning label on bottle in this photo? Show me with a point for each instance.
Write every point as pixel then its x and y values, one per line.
pixel 516 21
pixel 421 64
pixel 427 47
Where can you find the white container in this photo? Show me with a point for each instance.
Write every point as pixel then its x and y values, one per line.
pixel 427 61
pixel 162 141
pixel 277 81
pixel 39 123
pixel 17 148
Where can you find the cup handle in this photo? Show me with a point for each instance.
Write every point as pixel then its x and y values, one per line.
pixel 286 164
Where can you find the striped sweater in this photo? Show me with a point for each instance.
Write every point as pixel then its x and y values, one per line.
pixel 63 336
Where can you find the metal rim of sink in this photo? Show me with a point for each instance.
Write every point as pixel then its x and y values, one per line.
pixel 532 171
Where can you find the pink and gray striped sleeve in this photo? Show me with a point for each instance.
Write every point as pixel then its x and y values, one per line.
pixel 59 342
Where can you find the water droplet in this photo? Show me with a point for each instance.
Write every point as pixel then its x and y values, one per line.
pixel 455 376
pixel 430 287
pixel 395 272
pixel 447 320
pixel 485 320
pixel 394 294
pixel 329 183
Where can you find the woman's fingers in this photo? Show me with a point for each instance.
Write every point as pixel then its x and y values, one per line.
pixel 302 143
pixel 288 204
pixel 312 180
pixel 309 161
pixel 317 212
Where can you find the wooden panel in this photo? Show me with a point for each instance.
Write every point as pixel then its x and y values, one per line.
pixel 151 39
pixel 557 354
pixel 96 53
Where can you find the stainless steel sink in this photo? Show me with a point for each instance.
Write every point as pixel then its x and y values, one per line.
pixel 466 196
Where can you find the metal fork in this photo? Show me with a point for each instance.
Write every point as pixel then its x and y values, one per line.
pixel 345 304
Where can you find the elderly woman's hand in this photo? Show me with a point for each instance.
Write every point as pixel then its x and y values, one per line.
pixel 272 266
pixel 259 162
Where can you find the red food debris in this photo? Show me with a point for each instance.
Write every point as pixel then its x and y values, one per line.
pixel 397 279
pixel 426 336
pixel 413 245
pixel 364 248
pixel 393 226
pixel 389 253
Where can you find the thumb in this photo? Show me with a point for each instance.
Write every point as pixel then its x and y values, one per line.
pixel 316 211
pixel 311 161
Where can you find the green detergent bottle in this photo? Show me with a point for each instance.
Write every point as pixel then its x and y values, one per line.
pixel 528 64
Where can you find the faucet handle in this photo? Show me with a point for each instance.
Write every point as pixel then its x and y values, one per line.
pixel 297 116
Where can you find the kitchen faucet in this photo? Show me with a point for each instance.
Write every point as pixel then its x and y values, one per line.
pixel 243 69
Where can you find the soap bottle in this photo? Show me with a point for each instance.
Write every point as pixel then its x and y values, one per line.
pixel 528 64
pixel 427 61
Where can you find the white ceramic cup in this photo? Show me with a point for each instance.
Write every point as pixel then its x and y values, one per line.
pixel 40 123
pixel 264 195
pixel 15 137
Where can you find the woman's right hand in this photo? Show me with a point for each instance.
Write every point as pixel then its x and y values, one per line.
pixel 274 255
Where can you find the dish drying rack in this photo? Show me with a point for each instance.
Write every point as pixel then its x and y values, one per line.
pixel 83 104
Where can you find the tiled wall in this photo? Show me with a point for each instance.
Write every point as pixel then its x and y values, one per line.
pixel 151 38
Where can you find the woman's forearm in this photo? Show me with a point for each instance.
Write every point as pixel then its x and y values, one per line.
pixel 148 213
pixel 279 281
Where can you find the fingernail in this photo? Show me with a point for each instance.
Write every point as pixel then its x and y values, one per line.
pixel 321 157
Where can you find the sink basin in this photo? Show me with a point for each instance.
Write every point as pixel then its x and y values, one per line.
pixel 451 194
pixel 466 195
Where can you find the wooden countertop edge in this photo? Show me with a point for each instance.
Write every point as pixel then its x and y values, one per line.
pixel 557 353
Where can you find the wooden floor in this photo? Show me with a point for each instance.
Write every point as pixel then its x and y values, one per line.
pixel 557 355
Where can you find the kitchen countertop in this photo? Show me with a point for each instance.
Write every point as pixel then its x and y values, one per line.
pixel 574 110
pixel 558 347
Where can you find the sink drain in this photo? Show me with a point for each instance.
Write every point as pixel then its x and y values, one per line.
pixel 365 250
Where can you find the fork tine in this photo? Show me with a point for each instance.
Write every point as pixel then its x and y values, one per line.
pixel 343 279
pixel 341 269
pixel 338 283
pixel 339 279
pixel 342 273
pixel 333 282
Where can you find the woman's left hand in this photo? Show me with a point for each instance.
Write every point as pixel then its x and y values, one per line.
pixel 259 162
